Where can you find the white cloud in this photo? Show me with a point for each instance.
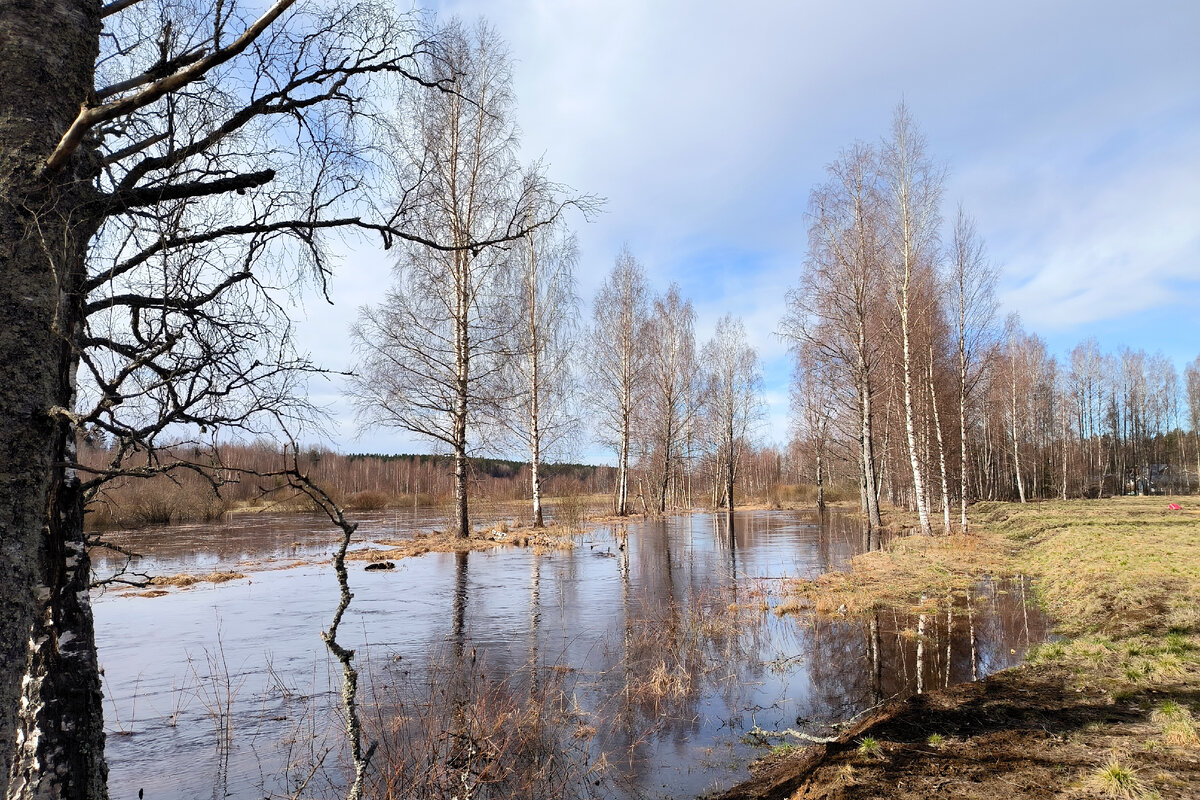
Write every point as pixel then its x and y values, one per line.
pixel 1072 130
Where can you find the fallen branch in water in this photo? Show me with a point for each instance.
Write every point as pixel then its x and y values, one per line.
pixel 361 758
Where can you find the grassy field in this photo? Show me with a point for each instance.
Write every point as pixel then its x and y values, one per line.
pixel 1109 709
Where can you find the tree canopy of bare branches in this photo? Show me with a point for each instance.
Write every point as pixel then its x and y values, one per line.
pixel 170 172
pixel 617 362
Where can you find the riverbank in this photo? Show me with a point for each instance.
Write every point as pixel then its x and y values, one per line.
pixel 1108 710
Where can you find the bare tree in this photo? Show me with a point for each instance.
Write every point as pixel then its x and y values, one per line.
pixel 617 361
pixel 813 397
pixel 671 374
pixel 168 169
pixel 734 397
pixel 915 189
pixel 540 379
pixel 974 282
pixel 433 352
pixel 835 308
pixel 1017 363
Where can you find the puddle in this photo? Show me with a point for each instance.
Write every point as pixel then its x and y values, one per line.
pixel 647 646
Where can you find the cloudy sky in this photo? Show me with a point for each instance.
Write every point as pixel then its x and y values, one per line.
pixel 1071 131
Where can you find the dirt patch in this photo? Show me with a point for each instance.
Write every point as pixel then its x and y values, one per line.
pixel 1021 733
pixel 1109 711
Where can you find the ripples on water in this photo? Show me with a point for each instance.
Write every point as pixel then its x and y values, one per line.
pixel 641 659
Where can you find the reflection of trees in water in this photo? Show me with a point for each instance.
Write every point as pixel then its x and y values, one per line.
pixel 855 664
pixel 686 640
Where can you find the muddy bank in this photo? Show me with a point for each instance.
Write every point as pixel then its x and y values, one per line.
pixel 1109 710
pixel 1023 733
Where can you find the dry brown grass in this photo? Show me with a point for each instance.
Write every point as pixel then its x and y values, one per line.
pixel 897 576
pixel 505 534
pixel 183 580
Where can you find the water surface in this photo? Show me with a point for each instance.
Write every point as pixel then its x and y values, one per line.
pixel 654 640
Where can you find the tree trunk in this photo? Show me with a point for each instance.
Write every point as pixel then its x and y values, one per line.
pixel 1064 447
pixel 962 433
pixel 462 520
pixel 51 721
pixel 536 485
pixel 535 389
pixel 868 451
pixel 729 464
pixel 937 427
pixel 820 483
pixel 623 473
pixel 668 446
pixel 909 424
pixel 1016 444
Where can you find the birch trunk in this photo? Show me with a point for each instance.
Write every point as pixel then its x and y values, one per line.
pixel 937 427
pixel 868 454
pixel 962 432
pixel 535 388
pixel 1016 443
pixel 909 424
pixel 462 389
pixel 51 721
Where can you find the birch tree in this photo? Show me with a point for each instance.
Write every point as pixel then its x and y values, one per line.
pixel 671 373
pixel 541 379
pixel 974 286
pixel 1017 362
pixel 432 353
pixel 734 397
pixel 617 361
pixel 835 308
pixel 914 186
pixel 166 171
pixel 813 396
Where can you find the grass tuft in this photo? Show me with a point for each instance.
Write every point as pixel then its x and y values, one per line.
pixel 1117 780
pixel 869 747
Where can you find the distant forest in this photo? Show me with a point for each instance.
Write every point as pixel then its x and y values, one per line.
pixel 360 481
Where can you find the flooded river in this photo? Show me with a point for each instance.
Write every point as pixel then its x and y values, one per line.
pixel 643 662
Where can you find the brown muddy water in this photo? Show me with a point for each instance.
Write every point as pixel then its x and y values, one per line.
pixel 644 662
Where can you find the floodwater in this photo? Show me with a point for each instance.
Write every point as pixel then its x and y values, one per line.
pixel 645 660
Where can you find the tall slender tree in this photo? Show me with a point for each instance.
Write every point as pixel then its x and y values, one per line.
pixel 974 308
pixel 540 380
pixel 835 309
pixel 671 373
pixel 433 352
pixel 617 361
pixel 734 397
pixel 914 186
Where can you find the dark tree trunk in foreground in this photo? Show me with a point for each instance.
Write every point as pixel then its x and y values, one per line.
pixel 51 726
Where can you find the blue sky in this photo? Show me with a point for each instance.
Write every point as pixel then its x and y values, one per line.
pixel 1071 131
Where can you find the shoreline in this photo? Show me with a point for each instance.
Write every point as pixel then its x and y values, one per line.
pixel 1107 710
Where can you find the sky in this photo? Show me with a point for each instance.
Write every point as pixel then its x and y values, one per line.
pixel 1070 130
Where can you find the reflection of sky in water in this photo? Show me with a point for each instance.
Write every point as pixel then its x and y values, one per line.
pixel 611 613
